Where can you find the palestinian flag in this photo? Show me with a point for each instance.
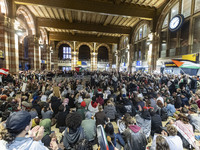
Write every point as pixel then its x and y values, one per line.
pixel 4 71
pixel 102 140
pixel 186 64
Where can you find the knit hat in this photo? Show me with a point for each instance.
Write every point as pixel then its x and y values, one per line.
pixel 194 108
pixel 26 104
pixel 3 97
pixel 83 104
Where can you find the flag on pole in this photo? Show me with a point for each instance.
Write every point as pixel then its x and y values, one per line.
pixel 101 136
pixel 4 71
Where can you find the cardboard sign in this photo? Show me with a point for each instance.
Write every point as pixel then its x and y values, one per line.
pixel 43 89
pixel 12 93
pixel 56 91
pixel 24 87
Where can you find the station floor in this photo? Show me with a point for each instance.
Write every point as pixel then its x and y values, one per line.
pixel 95 147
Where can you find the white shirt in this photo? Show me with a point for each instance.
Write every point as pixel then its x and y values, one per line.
pixel 175 142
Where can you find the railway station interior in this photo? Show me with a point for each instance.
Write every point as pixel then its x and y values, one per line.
pixel 99 74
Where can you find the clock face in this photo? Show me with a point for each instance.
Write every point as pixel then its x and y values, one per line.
pixel 176 22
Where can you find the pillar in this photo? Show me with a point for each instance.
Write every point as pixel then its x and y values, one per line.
pixel 118 60
pixel 94 59
pixel 34 53
pixel 48 51
pixel 74 58
pixel 131 58
pixel 153 52
pixel 4 60
pixel 11 46
pixel 110 57
pixel 54 57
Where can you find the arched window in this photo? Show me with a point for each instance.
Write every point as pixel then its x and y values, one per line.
pixel 102 54
pixel 140 43
pixel 84 53
pixel 142 32
pixel 64 52
pixel 178 43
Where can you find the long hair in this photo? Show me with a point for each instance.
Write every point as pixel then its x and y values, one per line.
pixel 110 130
pixel 46 106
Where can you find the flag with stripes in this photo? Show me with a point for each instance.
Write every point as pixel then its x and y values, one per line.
pixel 4 71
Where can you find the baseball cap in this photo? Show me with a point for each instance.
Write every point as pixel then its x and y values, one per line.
pixel 18 121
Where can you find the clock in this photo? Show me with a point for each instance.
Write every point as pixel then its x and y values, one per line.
pixel 176 22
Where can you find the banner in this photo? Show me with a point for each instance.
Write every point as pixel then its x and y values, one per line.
pixel 79 63
pixel 170 64
pixel 191 57
pixel 1 54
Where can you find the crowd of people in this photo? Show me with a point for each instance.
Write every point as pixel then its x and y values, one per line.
pixel 133 109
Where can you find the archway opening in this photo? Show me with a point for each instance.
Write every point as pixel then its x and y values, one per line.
pixel 84 53
pixel 103 54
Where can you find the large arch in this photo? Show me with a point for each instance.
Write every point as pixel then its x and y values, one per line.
pixel 163 15
pixel 44 36
pixel 63 42
pixel 23 10
pixel 24 26
pixel 103 44
pixel 84 43
pixel 139 25
pixel 84 52
pixel 108 48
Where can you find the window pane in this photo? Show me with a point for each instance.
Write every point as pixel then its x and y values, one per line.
pixel 69 50
pixel 174 10
pixel 70 56
pixel 163 40
pixel 197 6
pixel 196 33
pixel 186 7
pixel 135 49
pixel 144 44
pixel 165 23
pixel 184 38
pixel 136 38
pixel 140 33
pixel 145 31
pixel 172 43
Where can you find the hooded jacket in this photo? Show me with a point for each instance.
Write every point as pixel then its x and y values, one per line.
pixel 72 137
pixel 135 138
pixel 23 143
pixel 110 111
pixel 143 120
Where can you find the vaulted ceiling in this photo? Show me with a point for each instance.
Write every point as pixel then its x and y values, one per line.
pixel 97 20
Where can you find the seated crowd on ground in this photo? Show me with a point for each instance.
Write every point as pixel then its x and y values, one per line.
pixel 137 111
